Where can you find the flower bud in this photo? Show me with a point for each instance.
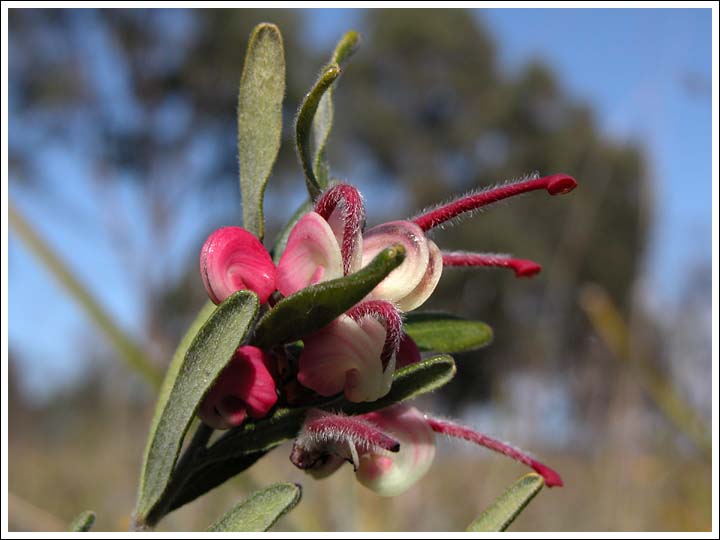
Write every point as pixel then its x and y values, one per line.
pixel 411 283
pixel 343 208
pixel 389 474
pixel 355 353
pixel 233 259
pixel 244 388
pixel 327 440
pixel 312 255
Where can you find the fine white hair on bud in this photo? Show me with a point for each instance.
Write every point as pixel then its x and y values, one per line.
pixel 327 439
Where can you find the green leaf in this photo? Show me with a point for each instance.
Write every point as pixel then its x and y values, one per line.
pixel 323 120
pixel 262 89
pixel 242 446
pixel 313 307
pixel 446 333
pixel 508 506
pixel 83 522
pixel 304 123
pixel 209 476
pixel 284 234
pixel 261 510
pixel 186 384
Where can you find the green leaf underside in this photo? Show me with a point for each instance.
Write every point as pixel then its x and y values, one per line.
pixel 240 447
pixel 323 120
pixel 83 522
pixel 508 506
pixel 260 97
pixel 443 333
pixel 304 123
pixel 313 307
pixel 260 512
pixel 199 360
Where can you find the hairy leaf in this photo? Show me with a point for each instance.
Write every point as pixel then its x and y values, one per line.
pixel 262 89
pixel 242 446
pixel 312 308
pixel 209 476
pixel 323 120
pixel 508 506
pixel 261 510
pixel 187 381
pixel 446 333
pixel 304 123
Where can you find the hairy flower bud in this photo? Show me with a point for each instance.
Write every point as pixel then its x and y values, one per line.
pixel 233 259
pixel 312 255
pixel 343 208
pixel 244 388
pixel 390 474
pixel 411 283
pixel 355 353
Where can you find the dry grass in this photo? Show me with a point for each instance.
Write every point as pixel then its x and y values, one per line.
pixel 54 476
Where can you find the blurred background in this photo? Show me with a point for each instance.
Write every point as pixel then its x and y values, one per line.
pixel 122 159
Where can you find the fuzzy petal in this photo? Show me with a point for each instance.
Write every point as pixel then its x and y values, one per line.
pixel 312 255
pixel 427 284
pixel 402 281
pixel 345 356
pixel 244 388
pixel 233 259
pixel 389 474
pixel 343 208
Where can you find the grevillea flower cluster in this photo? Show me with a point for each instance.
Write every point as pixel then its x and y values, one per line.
pixel 357 353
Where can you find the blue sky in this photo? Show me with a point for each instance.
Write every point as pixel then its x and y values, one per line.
pixel 646 74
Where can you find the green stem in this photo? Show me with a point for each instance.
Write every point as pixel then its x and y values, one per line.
pixel 127 349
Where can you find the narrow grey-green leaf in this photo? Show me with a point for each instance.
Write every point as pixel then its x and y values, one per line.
pixel 83 522
pixel 262 89
pixel 284 234
pixel 304 123
pixel 240 447
pixel 508 506
pixel 313 307
pixel 445 333
pixel 261 510
pixel 208 476
pixel 323 120
pixel 188 381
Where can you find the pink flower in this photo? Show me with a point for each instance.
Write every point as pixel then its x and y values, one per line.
pixel 324 244
pixel 389 474
pixel 312 255
pixel 390 449
pixel 244 388
pixel 411 283
pixel 354 354
pixel 233 259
